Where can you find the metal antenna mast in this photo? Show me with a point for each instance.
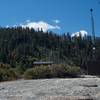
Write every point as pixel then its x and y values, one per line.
pixel 92 24
pixel 93 33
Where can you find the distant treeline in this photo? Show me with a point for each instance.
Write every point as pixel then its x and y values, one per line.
pixel 23 46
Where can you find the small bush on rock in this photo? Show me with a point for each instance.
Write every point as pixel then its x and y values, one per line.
pixel 7 73
pixel 51 71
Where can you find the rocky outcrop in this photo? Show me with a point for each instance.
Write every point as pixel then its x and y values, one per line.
pixel 51 89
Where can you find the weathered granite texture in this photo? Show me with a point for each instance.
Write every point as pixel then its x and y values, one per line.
pixel 51 89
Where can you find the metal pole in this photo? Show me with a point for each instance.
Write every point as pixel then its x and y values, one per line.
pixel 93 33
pixel 92 24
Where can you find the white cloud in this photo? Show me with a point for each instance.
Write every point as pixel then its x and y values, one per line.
pixel 56 21
pixel 15 25
pixel 40 25
pixel 82 32
pixel 27 21
pixel 7 26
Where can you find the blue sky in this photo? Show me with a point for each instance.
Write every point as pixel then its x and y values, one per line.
pixel 62 15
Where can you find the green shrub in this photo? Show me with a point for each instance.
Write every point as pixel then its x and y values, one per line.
pixel 51 71
pixel 7 73
pixel 63 70
pixel 38 72
pixel 19 70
